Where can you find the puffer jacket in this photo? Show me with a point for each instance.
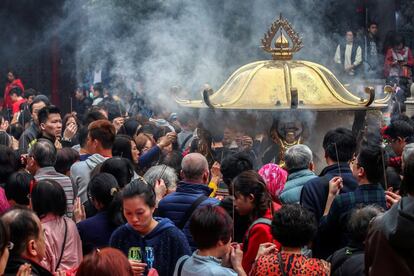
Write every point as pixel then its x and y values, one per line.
pixel 294 184
pixel 175 205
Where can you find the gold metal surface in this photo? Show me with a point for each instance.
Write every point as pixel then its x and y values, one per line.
pixel 267 85
pixel 282 51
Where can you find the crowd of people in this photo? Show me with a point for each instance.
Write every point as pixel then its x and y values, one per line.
pixel 105 191
pixel 361 54
pixel 120 187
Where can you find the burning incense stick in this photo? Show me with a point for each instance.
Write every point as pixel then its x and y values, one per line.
pixel 383 168
pixel 337 159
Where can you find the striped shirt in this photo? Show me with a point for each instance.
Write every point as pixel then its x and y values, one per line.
pixel 49 173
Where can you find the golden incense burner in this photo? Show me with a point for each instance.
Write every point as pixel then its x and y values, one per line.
pixel 286 85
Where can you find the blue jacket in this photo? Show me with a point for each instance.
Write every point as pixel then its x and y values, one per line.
pixel 95 232
pixel 147 158
pixel 174 205
pixel 315 191
pixel 314 195
pixel 160 249
pixel 293 187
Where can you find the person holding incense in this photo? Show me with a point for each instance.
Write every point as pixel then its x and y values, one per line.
pixel 367 168
pixel 339 146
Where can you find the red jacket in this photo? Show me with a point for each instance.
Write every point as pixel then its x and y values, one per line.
pixel 389 59
pixel 260 233
pixel 7 102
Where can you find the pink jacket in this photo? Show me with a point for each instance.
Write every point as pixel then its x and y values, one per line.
pixel 54 229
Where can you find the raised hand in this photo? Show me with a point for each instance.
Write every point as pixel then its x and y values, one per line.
pixel 79 213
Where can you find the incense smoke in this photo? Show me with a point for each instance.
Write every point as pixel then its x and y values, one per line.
pixel 188 43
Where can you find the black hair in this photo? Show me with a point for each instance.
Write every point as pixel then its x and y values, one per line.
pixel 294 226
pixel 99 87
pixel 359 221
pixel 372 23
pixel 44 153
pixel 149 128
pixel 339 140
pixel 18 187
pixel 66 119
pixel 402 117
pixel 22 227
pixel 83 90
pixel 44 113
pixel 5 139
pixel 92 116
pixel 14 72
pixel 25 117
pixel 400 128
pixel 370 157
pixel 173 160
pixel 131 127
pixel 121 168
pixel 139 187
pixel 114 109
pixel 65 158
pixel 161 131
pixel 250 182
pixel 29 93
pixel 15 130
pixel 38 99
pixel 4 237
pixel 104 188
pixel 233 165
pixel 122 147
pixel 16 90
pixel 399 39
pixel 8 163
pixel 83 136
pixel 350 31
pixel 48 197
pixel 407 184
pixel 213 220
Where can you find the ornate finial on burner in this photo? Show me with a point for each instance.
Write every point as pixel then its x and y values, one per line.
pixel 282 51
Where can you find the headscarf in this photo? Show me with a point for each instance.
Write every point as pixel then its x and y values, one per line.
pixel 275 178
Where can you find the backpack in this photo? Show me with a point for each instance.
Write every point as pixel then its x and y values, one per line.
pixel 265 221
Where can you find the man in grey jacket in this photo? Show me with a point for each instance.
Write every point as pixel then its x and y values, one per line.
pixel 101 136
pixel 40 163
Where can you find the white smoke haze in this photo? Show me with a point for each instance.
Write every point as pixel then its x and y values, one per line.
pixel 188 43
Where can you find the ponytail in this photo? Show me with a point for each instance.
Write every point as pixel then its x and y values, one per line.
pixel 105 190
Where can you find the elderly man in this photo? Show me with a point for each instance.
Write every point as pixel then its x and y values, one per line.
pixel 27 237
pixel 191 193
pixel 40 163
pixel 299 164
